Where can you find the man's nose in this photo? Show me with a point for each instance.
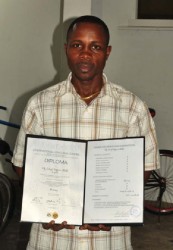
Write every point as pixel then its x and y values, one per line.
pixel 85 52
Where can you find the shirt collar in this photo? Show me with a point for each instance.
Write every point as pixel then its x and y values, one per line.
pixel 108 88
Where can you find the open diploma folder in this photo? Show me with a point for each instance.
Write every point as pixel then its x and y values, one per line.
pixel 98 181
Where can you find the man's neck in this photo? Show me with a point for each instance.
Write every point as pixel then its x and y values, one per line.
pixel 88 90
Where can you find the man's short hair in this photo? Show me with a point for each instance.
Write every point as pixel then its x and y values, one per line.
pixel 90 19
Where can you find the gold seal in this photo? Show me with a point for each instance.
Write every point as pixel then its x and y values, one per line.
pixel 55 215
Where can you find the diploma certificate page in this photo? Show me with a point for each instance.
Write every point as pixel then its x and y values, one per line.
pixel 114 181
pixel 53 181
pixel 77 181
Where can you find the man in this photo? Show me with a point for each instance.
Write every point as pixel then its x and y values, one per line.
pixel 86 106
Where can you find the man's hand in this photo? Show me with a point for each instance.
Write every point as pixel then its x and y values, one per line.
pixel 99 227
pixel 57 227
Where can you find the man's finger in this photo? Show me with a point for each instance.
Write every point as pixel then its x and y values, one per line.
pixel 89 227
pixel 69 226
pixel 55 227
pixel 49 225
pixel 104 228
pixel 93 228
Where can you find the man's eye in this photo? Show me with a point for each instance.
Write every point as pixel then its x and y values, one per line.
pixel 96 47
pixel 76 45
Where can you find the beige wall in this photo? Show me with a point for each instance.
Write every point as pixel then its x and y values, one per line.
pixel 26 64
pixel 141 61
pixel 31 41
pixel 31 53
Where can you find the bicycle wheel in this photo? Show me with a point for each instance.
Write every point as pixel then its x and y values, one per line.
pixel 159 189
pixel 6 197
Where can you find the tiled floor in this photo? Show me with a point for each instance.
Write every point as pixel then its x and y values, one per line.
pixel 151 236
pixel 154 235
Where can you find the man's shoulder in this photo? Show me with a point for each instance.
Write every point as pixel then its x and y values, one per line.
pixel 125 95
pixel 54 89
pixel 120 90
pixel 47 95
pixel 50 91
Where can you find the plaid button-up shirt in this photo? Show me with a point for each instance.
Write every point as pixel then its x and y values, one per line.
pixel 115 113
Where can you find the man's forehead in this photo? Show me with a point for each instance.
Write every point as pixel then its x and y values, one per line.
pixel 82 24
pixel 74 27
pixel 87 30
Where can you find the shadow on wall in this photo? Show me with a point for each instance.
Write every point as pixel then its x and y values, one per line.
pixel 60 65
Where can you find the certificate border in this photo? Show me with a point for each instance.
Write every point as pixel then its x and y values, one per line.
pixel 123 223
pixel 51 138
pixel 86 141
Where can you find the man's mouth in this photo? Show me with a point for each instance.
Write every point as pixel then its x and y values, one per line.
pixel 85 67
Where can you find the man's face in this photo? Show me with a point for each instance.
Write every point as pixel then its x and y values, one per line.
pixel 87 51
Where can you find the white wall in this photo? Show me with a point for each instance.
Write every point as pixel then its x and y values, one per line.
pixel 31 58
pixel 26 63
pixel 31 54
pixel 141 61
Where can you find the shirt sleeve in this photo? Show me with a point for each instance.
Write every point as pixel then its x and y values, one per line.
pixel 31 124
pixel 143 125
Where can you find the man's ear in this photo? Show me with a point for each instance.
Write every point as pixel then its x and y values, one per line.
pixel 109 48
